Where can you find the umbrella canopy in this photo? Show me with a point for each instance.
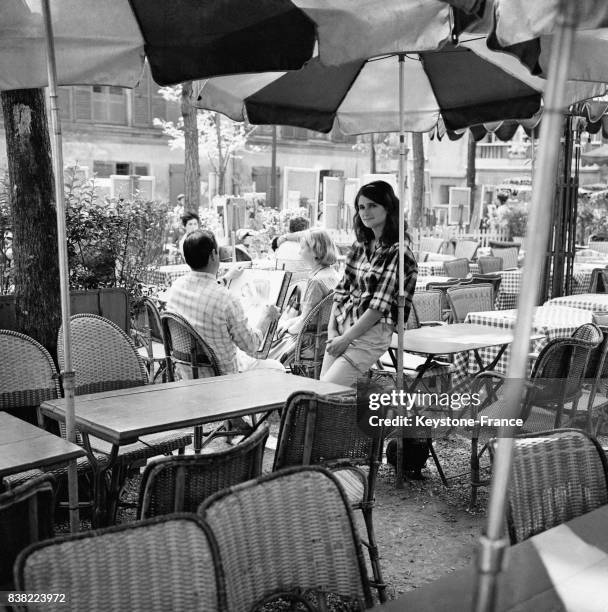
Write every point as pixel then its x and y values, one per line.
pixel 103 42
pixel 526 29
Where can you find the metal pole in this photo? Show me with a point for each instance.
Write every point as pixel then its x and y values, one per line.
pixel 67 374
pixel 401 297
pixel 273 169
pixel 493 543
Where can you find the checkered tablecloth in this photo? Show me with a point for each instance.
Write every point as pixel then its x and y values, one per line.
pixel 163 276
pixel 430 268
pixel 423 281
pixel 550 322
pixel 596 302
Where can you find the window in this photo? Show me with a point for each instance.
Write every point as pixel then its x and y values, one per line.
pixel 140 170
pixel 104 169
pixel 444 194
pixel 123 168
pixel 109 105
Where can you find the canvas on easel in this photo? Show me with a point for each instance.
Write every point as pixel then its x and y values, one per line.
pixel 259 288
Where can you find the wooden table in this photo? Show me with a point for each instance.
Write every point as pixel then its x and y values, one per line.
pixel 564 568
pixel 24 447
pixel 122 417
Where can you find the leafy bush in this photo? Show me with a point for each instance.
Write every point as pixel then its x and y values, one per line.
pixel 512 217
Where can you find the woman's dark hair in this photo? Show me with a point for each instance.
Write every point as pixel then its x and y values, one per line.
pixel 381 193
pixel 188 216
pixel 198 246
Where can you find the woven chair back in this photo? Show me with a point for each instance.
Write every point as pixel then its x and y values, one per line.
pixel 471 298
pixel 466 249
pixel 147 326
pixel 484 279
pixel 427 306
pixel 443 287
pixel 456 268
pixel 504 244
pixel 430 245
pixel 559 371
pixel 104 358
pixel 599 280
pixel 26 516
pixel 285 534
pixel 184 345
pixel 311 340
pixel 151 566
pixel 508 256
pixel 317 429
pixel 489 264
pixel 556 476
pixel 28 375
pixel 180 483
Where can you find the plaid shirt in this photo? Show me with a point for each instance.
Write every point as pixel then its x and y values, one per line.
pixel 372 282
pixel 217 315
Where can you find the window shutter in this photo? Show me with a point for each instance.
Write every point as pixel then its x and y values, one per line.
pixel 82 103
pixel 141 100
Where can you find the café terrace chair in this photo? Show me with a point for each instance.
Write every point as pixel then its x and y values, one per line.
pixel 465 249
pixel 504 244
pixel 442 287
pixel 469 298
pixel 105 359
pixel 489 264
pixel 148 333
pixel 555 381
pixel 311 340
pixel 508 255
pixel 599 281
pixel 492 279
pixel 288 536
pixel 26 516
pixel 556 476
pixel 457 268
pixel 165 563
pixel 28 377
pixel 321 430
pixel 181 483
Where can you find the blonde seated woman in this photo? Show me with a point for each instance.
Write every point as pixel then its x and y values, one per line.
pixel 318 250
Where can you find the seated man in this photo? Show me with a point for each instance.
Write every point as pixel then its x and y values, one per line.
pixel 215 313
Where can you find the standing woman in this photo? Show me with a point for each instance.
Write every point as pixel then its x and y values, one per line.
pixel 364 315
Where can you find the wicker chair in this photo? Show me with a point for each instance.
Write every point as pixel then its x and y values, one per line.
pixel 509 257
pixel 167 563
pixel 28 377
pixel 443 287
pixel 555 381
pixel 599 281
pixel 311 341
pixel 148 332
pixel 181 484
pixel 504 244
pixel 427 307
pixel 320 430
pixel 26 516
pixel 466 249
pixel 430 245
pixel 104 359
pixel 556 476
pixel 289 535
pixel 489 264
pixel 470 298
pixel 457 268
pixel 185 346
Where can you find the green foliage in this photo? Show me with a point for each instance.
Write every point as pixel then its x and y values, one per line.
pixel 111 242
pixel 512 217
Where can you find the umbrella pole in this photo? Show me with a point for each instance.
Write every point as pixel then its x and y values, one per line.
pixel 401 296
pixel 493 543
pixel 67 374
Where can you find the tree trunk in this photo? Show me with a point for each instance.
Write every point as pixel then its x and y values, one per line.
pixel 192 170
pixel 476 212
pixel 32 203
pixel 372 154
pixel 221 161
pixel 418 178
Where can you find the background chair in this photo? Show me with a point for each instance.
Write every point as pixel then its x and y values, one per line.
pixel 466 249
pixel 167 563
pixel 599 280
pixel 489 264
pixel 182 483
pixel 504 244
pixel 311 340
pixel 148 333
pixel 471 298
pixel 319 430
pixel 287 535
pixel 555 381
pixel 555 476
pixel 457 268
pixel 26 516
pixel 184 346
pixel 509 256
pixel 104 359
pixel 442 287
